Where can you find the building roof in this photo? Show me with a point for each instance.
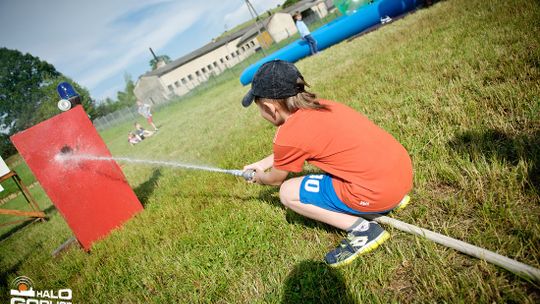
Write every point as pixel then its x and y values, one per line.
pixel 254 30
pixel 299 6
pixel 195 54
pixel 246 33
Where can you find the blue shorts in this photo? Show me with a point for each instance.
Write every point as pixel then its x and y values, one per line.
pixel 318 190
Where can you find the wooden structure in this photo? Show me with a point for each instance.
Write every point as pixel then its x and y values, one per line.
pixel 30 215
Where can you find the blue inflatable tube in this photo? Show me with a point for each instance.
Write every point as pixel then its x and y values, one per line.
pixel 335 32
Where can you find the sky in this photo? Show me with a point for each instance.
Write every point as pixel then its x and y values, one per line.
pixel 97 42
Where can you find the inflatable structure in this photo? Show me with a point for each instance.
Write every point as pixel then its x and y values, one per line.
pixel 336 31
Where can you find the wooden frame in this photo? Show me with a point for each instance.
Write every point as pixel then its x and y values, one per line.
pixel 36 213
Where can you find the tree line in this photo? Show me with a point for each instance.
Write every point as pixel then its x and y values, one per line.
pixel 28 95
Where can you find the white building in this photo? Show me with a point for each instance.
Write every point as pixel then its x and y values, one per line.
pixel 185 73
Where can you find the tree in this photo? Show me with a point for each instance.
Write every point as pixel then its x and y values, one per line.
pixel 6 148
pixel 127 97
pixel 104 107
pixel 28 94
pixel 153 62
pixel 48 108
pixel 288 3
pixel 21 80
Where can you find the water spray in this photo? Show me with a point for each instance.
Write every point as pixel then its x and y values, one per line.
pixel 66 154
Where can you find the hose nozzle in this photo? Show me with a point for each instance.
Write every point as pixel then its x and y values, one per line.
pixel 247 175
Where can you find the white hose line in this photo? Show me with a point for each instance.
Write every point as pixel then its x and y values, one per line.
pixel 514 266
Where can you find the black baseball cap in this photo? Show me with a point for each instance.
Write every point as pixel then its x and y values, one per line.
pixel 276 79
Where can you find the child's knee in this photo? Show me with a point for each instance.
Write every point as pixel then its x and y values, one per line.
pixel 288 193
pixel 284 196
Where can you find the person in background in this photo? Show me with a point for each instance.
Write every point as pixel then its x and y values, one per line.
pixel 144 110
pixel 305 33
pixel 133 139
pixel 141 132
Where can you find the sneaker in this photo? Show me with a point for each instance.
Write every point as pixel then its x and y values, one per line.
pixel 386 19
pixel 404 202
pixel 363 239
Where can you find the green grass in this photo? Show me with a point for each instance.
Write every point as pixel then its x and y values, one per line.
pixel 457 84
pixel 20 203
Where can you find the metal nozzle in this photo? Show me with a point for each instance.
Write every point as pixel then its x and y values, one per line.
pixel 247 175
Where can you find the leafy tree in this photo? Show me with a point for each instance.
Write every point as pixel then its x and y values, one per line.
pixel 104 107
pixel 289 3
pixel 6 148
pixel 127 97
pixel 48 108
pixel 28 94
pixel 153 62
pixel 21 80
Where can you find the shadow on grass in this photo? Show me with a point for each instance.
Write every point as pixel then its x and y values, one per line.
pixel 145 190
pixel 315 282
pixel 506 147
pixel 5 285
pixel 271 196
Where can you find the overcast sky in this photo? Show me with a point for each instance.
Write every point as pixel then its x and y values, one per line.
pixel 96 42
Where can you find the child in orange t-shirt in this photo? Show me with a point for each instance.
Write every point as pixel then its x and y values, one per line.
pixel 366 169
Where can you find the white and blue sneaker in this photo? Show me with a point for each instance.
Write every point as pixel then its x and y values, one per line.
pixel 363 239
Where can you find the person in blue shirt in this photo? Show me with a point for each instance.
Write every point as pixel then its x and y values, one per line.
pixel 305 33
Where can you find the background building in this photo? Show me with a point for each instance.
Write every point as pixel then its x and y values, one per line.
pixel 185 73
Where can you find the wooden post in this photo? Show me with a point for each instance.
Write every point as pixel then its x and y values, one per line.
pixel 23 213
pixel 25 191
pixel 67 244
pixel 35 213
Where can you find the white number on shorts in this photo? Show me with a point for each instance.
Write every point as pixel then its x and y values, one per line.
pixel 312 184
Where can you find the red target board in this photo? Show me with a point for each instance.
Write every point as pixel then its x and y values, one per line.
pixel 93 196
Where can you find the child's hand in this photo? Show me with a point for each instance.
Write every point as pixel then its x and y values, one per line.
pixel 258 172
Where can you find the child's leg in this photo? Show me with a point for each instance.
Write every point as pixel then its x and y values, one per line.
pixel 289 193
pixel 314 196
pixel 151 122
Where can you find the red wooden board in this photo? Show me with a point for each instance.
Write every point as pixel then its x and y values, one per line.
pixel 93 196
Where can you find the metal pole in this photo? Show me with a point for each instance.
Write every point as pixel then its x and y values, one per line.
pixel 514 266
pixel 153 54
pixel 256 16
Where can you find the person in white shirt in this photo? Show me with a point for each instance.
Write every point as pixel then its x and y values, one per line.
pixel 144 110
pixel 305 33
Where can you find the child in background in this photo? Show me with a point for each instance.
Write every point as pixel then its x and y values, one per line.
pixel 305 33
pixel 133 139
pixel 366 170
pixel 145 110
pixel 141 132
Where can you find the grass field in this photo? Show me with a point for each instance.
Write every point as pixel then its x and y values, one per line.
pixel 16 164
pixel 458 84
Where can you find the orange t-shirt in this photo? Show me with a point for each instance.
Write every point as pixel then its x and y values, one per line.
pixel 371 170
